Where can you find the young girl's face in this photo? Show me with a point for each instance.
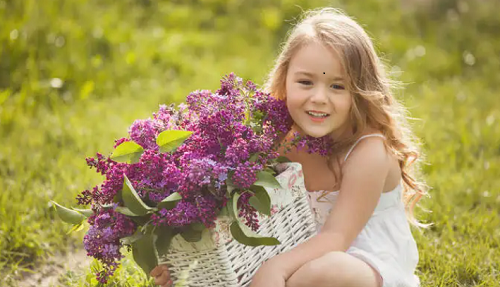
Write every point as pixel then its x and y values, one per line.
pixel 316 96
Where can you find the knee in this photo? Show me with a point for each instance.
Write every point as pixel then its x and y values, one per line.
pixel 332 269
pixel 346 270
pixel 307 275
pixel 335 265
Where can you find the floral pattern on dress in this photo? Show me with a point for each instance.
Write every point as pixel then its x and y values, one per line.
pixel 321 203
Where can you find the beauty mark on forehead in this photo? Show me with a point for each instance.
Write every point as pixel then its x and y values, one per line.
pixel 308 74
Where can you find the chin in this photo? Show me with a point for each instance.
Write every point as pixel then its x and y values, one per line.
pixel 316 133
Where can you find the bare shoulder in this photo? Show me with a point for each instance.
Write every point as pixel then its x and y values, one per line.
pixel 372 148
pixel 369 156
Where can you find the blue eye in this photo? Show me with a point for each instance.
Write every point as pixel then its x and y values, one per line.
pixel 338 87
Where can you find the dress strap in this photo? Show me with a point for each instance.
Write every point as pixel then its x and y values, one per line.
pixel 363 137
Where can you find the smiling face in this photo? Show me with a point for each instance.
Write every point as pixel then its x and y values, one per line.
pixel 316 93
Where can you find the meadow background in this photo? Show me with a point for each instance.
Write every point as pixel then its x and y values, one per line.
pixel 74 74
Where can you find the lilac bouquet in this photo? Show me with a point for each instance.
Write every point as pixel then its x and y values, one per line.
pixel 180 170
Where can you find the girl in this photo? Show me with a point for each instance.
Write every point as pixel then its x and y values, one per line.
pixel 334 85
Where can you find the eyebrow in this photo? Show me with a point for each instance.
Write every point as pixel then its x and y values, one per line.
pixel 336 78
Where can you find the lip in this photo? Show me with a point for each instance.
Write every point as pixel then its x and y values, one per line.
pixel 315 119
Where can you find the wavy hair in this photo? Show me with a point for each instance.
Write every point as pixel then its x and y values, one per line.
pixel 373 102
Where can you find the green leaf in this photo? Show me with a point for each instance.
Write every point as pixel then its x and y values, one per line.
pixel 85 212
pixel 198 226
pixel 283 159
pixel 257 129
pixel 127 152
pixel 230 188
pixel 233 206
pixel 247 117
pixel 144 253
pixel 125 211
pixel 258 115
pixel 169 141
pixel 224 211
pixel 193 232
pixel 132 200
pixel 261 200
pixel 229 183
pixel 254 156
pixel 76 228
pixel 245 235
pixel 265 178
pixel 68 215
pixel 242 233
pixel 270 171
pixel 118 197
pixel 164 235
pixel 108 206
pixel 133 238
pixel 170 201
pixel 141 220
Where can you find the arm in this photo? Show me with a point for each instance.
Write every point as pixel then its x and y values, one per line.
pixel 362 184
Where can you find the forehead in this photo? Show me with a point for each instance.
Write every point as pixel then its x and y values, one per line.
pixel 316 58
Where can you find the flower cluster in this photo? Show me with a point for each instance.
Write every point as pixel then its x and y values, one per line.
pixel 102 240
pixel 235 134
pixel 323 145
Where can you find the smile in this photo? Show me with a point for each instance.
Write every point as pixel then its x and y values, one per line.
pixel 317 117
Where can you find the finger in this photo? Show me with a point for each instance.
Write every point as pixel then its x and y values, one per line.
pixel 162 279
pixel 169 283
pixel 156 271
pixel 164 268
pixel 159 281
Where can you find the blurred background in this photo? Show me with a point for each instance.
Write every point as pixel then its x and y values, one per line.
pixel 74 74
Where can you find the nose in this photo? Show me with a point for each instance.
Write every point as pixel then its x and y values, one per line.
pixel 319 96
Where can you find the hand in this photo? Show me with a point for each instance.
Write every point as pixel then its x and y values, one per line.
pixel 162 276
pixel 269 275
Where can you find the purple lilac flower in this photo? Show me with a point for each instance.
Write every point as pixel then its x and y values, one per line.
pixel 143 132
pixel 199 175
pixel 101 164
pixel 236 151
pixel 202 209
pixel 276 111
pixel 251 86
pixel 248 212
pixel 246 174
pixel 102 240
pixel 104 193
pixel 159 176
pixel 322 145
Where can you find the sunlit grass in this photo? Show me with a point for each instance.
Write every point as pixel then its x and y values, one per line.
pixel 119 61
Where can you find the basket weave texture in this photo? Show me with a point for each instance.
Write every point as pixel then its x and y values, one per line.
pixel 222 261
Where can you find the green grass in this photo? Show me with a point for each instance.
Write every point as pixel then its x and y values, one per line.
pixel 118 60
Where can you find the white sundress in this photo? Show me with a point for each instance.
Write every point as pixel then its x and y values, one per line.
pixel 386 242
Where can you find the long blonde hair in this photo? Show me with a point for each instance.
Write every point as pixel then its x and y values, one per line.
pixel 373 102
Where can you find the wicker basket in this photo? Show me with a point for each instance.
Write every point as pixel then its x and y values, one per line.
pixel 222 261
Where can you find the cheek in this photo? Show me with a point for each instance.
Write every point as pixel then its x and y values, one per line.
pixel 344 104
pixel 293 106
pixel 293 99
